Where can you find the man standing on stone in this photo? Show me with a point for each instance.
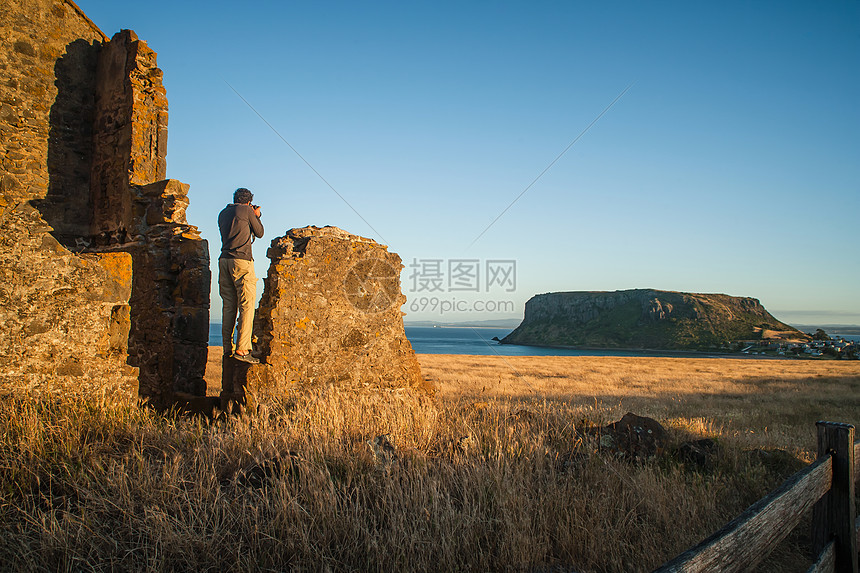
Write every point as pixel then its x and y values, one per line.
pixel 239 223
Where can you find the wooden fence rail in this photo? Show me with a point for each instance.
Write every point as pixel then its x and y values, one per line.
pixel 833 515
pixel 826 486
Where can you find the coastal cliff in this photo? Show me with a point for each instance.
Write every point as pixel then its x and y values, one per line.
pixel 646 318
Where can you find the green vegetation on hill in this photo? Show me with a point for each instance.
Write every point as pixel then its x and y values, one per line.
pixel 646 318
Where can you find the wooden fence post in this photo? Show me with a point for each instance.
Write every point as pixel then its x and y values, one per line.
pixel 833 515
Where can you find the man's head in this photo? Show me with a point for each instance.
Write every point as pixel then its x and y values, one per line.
pixel 242 196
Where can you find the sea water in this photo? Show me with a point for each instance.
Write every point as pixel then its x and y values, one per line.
pixel 479 341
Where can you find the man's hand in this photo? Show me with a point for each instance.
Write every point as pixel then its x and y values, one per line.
pixel 256 210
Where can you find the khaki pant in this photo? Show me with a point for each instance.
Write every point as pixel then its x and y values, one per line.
pixel 237 284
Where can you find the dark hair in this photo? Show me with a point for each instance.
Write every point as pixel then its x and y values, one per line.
pixel 242 196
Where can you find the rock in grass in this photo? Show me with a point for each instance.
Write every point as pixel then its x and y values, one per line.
pixel 635 437
pixel 384 452
pixel 260 474
pixel 700 453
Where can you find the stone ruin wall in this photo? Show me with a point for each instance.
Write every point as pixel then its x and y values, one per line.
pixel 136 210
pixel 96 257
pixel 102 281
pixel 330 314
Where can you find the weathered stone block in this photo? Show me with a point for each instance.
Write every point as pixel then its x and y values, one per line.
pixel 118 271
pixel 191 324
pixel 188 367
pixel 330 313
pixel 117 335
pixel 193 286
pixel 166 201
pixel 246 385
pixel 68 311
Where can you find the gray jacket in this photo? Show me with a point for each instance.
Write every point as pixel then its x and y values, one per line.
pixel 239 226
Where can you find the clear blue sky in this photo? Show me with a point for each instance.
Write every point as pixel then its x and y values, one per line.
pixel 731 165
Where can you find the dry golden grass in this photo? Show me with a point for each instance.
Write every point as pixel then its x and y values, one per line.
pixel 772 403
pixel 493 475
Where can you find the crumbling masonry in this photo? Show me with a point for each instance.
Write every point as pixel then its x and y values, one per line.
pixel 102 281
pixel 330 314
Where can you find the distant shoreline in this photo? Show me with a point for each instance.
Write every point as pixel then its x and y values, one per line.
pixel 662 353
pixel 457 340
pixel 453 326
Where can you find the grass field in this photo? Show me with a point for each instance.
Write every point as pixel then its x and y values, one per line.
pixel 493 474
pixel 767 403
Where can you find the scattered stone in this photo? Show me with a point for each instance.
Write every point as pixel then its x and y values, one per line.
pixel 587 427
pixel 261 474
pixel 701 453
pixel 635 437
pixel 465 444
pixel 384 452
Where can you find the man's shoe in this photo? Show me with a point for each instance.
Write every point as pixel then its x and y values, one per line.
pixel 246 358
